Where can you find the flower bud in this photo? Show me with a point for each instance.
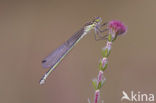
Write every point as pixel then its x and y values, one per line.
pixel 107 49
pixel 103 64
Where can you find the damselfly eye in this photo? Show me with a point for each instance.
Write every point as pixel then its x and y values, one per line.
pixel 98 19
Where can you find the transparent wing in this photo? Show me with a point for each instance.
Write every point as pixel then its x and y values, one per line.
pixel 61 51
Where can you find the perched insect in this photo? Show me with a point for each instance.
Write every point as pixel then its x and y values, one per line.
pixel 58 54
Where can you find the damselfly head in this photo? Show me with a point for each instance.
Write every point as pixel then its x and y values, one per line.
pixel 94 22
pixel 97 20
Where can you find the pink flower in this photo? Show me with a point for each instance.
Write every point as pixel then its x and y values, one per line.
pixel 97 94
pixel 100 77
pixel 104 61
pixel 117 27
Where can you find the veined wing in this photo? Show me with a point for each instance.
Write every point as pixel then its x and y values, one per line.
pixel 61 51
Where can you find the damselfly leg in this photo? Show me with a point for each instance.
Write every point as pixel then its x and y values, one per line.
pixel 101 34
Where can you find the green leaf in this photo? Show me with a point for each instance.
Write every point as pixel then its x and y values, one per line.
pixel 109 52
pixel 103 81
pixel 114 38
pixel 104 68
pixel 109 37
pixel 99 85
pixel 105 52
pixel 101 67
pixel 94 82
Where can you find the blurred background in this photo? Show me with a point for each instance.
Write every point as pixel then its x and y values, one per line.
pixel 29 31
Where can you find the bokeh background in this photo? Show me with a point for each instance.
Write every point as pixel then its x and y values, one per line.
pixel 30 30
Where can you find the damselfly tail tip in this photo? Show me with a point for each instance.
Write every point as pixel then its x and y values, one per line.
pixel 42 81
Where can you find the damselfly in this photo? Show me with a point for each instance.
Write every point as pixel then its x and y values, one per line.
pixel 57 55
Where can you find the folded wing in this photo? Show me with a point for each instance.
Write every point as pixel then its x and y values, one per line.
pixel 61 51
